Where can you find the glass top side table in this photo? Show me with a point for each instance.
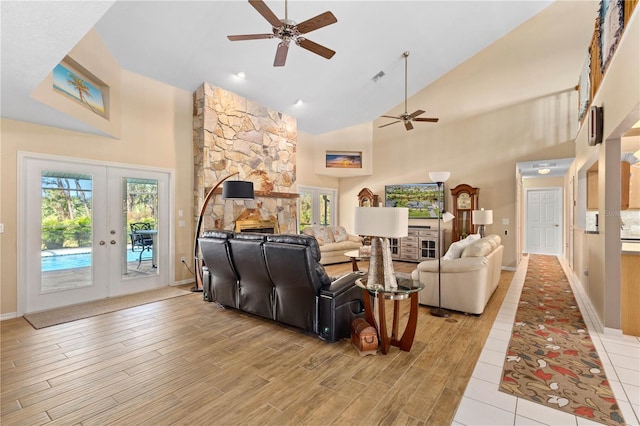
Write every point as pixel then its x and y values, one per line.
pixel 407 289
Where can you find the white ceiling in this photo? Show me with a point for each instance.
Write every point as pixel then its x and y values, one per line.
pixel 183 43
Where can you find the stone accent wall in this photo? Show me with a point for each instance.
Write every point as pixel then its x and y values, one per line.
pixel 233 134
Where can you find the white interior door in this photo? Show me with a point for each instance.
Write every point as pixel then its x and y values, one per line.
pixel 75 220
pixel 544 221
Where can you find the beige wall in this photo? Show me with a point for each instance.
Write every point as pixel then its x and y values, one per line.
pixel 156 132
pixel 599 254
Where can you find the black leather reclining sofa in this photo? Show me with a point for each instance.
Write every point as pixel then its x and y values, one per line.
pixel 279 277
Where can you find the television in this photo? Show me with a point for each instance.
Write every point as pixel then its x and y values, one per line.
pixel 422 199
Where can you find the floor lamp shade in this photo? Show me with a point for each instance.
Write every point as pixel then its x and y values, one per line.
pixel 381 223
pixel 482 217
pixel 237 190
pixel 439 176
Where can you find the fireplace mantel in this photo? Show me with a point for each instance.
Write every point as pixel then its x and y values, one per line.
pixel 266 194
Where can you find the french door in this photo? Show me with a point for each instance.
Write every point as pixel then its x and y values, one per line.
pixel 317 206
pixel 544 221
pixel 76 228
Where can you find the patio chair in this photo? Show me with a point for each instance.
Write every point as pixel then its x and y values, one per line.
pixel 140 242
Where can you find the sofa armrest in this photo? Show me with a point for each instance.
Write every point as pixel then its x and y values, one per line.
pixel 341 284
pixel 354 238
pixel 462 264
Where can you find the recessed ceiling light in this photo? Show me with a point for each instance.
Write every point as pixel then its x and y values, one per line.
pixel 241 75
pixel 544 171
pixel 299 102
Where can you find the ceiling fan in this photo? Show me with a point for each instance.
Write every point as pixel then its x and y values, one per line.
pixel 287 31
pixel 406 117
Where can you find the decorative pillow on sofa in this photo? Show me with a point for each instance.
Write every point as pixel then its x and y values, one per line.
pixel 339 233
pixel 455 250
pixel 478 248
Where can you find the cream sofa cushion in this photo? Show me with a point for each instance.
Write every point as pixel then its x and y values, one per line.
pixel 456 249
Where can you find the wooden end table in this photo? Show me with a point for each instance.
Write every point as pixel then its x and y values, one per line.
pixel 407 289
pixel 355 255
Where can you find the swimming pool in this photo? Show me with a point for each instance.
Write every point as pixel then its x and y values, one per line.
pixel 79 260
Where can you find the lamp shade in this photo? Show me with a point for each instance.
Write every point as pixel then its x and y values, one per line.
pixel 390 222
pixel 447 217
pixel 439 176
pixel 482 217
pixel 238 190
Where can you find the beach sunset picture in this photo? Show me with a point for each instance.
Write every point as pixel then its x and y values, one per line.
pixel 73 86
pixel 344 160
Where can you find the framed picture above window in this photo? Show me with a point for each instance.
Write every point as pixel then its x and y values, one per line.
pixel 77 84
pixel 344 160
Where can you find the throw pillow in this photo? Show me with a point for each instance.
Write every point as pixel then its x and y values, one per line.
pixel 339 234
pixel 455 250
pixel 322 234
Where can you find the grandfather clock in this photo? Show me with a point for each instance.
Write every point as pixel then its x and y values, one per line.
pixel 465 200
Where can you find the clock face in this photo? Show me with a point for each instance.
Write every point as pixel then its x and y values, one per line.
pixel 464 201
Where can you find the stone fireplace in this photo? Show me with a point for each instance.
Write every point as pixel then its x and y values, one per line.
pixel 233 134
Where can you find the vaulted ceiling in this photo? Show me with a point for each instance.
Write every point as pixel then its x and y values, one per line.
pixel 184 43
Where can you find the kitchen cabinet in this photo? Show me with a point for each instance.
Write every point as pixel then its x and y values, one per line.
pixel 625 187
pixel 634 187
pixel 630 289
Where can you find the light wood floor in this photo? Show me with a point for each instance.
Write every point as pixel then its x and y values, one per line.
pixel 184 361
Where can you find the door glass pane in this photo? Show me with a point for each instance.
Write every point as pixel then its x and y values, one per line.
pixel 306 201
pixel 140 220
pixel 66 231
pixel 325 209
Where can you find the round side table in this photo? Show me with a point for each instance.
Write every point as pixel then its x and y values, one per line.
pixel 407 289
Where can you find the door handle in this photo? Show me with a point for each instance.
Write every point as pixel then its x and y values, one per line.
pixel 556 225
pixel 102 243
pixel 113 242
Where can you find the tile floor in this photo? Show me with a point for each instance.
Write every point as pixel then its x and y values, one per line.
pixel 484 404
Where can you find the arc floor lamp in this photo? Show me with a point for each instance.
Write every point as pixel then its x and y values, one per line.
pixel 440 178
pixel 231 189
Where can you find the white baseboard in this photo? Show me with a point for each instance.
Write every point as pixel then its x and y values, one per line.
pixel 509 268
pixel 10 315
pixel 187 281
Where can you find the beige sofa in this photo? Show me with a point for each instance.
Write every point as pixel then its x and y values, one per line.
pixel 470 272
pixel 334 241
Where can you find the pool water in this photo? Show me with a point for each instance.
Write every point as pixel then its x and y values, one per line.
pixel 80 260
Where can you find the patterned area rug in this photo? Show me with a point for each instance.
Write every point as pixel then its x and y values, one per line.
pixel 551 359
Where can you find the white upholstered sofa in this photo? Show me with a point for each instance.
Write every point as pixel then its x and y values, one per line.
pixel 470 273
pixel 334 241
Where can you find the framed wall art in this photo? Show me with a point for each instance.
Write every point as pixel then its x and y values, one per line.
pixel 343 159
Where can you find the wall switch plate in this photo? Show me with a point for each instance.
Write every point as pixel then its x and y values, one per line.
pixel 181 223
pixel 1 228
pixel 505 220
pixel 182 259
pixel 180 213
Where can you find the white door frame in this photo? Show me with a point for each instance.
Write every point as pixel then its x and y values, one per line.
pixel 316 193
pixel 22 255
pixel 560 208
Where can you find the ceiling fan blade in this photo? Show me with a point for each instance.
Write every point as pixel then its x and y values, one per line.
pixel 408 125
pixel 281 54
pixel 388 124
pixel 315 48
pixel 391 116
pixel 417 113
pixel 316 22
pixel 430 120
pixel 249 37
pixel 266 13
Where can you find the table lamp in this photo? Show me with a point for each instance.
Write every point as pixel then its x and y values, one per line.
pixel 482 217
pixel 381 223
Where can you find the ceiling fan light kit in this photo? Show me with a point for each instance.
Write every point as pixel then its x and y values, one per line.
pixel 406 117
pixel 287 31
